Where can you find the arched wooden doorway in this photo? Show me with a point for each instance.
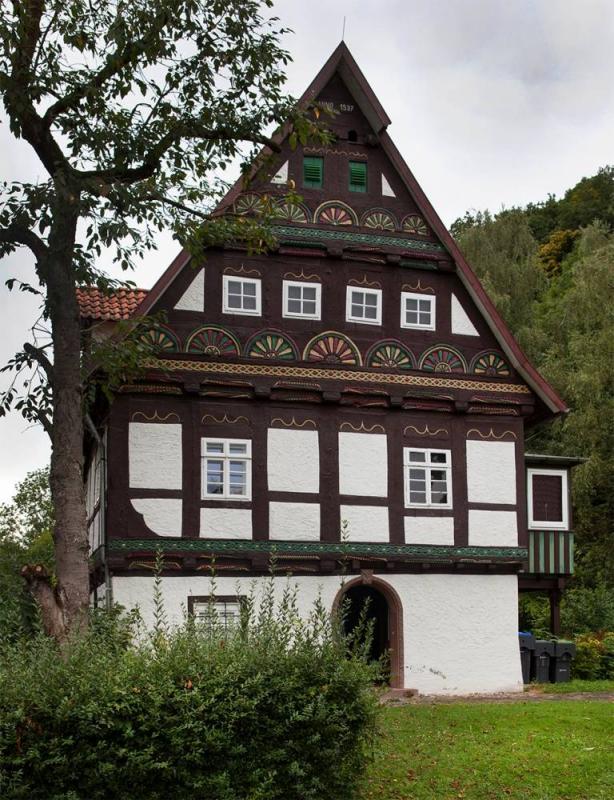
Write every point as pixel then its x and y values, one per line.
pixel 387 612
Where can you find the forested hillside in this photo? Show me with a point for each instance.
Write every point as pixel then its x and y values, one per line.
pixel 550 269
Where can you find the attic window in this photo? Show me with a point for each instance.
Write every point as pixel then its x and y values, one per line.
pixel 352 136
pixel 313 171
pixel 358 176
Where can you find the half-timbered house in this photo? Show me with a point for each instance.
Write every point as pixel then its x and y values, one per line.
pixel 352 401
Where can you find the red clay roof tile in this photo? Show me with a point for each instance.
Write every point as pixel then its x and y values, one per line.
pixel 118 304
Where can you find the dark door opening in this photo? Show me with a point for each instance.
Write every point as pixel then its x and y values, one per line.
pixel 377 612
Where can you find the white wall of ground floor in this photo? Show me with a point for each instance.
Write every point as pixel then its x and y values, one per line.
pixel 459 631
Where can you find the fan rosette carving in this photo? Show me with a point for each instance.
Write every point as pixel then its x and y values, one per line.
pixel 332 348
pixel 271 345
pixel 161 338
pixel 442 359
pixel 335 213
pixel 390 354
pixel 379 220
pixel 291 212
pixel 413 223
pixel 490 363
pixel 249 204
pixel 213 340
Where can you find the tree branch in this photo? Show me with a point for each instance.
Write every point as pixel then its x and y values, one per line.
pixel 38 354
pixel 18 234
pixel 116 61
pixel 158 198
pixel 151 162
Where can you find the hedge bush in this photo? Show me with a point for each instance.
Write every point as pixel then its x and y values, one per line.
pixel 276 708
pixel 594 657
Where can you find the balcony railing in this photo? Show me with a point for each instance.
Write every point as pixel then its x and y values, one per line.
pixel 551 553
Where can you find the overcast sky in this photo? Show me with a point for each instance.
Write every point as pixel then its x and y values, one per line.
pixel 493 103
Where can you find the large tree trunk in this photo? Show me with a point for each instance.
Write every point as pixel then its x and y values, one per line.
pixel 66 473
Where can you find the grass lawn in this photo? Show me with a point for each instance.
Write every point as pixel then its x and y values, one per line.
pixel 573 687
pixel 535 750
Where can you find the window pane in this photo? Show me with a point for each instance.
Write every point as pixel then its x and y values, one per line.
pixel 249 289
pixel 417 497
pixel 234 301
pixel 424 305
pixel 411 318
pixel 411 305
pixel 294 292
pixel 236 449
pixel 370 313
pixel 234 287
pixel 417 474
pixel 423 319
pixel 309 307
pixel 249 303
pixel 309 292
pixel 294 306
pixel 439 498
pixel 439 458
pixel 357 311
pixel 215 447
pixel 417 455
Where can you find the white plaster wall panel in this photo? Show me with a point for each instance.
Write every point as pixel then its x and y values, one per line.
pixel 281 176
pixel 493 528
pixel 429 530
pixel 460 632
pixel 132 592
pixel 161 515
pixel 387 189
pixel 154 456
pixel 366 523
pixel 294 521
pixel 193 299
pixel 491 472
pixel 363 464
pixel 460 319
pixel 293 461
pixel 226 523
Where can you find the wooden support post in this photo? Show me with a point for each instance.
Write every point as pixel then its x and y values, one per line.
pixel 555 612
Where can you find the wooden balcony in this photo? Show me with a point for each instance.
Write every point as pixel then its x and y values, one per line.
pixel 551 553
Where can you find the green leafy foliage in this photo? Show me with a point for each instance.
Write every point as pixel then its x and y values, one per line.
pixel 25 538
pixel 565 322
pixel 273 708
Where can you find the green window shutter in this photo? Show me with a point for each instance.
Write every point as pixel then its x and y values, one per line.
pixel 358 176
pixel 313 171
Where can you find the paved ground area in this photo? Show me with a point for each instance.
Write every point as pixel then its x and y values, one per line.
pixel 400 697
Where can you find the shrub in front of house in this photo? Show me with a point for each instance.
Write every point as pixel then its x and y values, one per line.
pixel 273 708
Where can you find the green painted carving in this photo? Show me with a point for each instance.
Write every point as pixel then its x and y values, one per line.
pixel 316 234
pixel 417 551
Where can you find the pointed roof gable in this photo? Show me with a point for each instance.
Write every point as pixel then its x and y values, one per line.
pixel 341 62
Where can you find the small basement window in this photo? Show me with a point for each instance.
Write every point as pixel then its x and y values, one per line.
pixel 226 469
pixel 224 612
pixel 548 499
pixel 313 172
pixel 428 478
pixel 358 176
pixel 364 305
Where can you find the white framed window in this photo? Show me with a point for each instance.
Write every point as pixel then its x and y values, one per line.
pixel 222 611
pixel 242 295
pixel 302 300
pixel 364 305
pixel 548 499
pixel 427 478
pixel 417 311
pixel 226 469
